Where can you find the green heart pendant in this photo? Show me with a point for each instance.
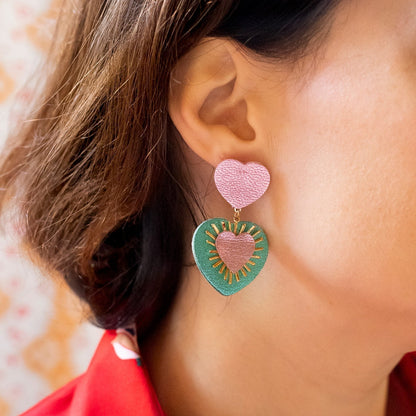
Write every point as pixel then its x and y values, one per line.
pixel 229 255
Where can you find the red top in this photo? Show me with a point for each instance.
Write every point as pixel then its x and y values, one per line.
pixel 402 388
pixel 109 387
pixel 112 386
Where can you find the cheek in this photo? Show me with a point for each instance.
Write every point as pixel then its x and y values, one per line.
pixel 346 195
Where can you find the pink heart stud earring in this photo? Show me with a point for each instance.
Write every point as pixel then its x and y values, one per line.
pixel 230 254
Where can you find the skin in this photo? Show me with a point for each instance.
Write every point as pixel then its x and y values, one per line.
pixel 334 308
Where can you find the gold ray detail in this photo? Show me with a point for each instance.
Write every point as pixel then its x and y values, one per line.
pixel 255 257
pixel 213 251
pixel 244 272
pixel 223 226
pixel 217 257
pixel 251 262
pixel 256 233
pixel 247 268
pixel 226 274
pixel 259 249
pixel 208 233
pixel 237 277
pixel 243 227
pixel 217 264
pixel 230 280
pixel 251 229
pixel 210 242
pixel 215 228
pixel 222 268
pixel 259 239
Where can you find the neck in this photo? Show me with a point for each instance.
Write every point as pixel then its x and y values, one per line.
pixel 276 347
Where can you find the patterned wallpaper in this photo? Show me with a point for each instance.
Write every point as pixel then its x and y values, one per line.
pixel 45 340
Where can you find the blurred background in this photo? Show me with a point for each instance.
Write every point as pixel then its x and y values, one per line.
pixel 45 340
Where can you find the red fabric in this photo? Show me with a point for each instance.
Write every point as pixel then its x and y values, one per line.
pixel 120 387
pixel 109 387
pixel 402 388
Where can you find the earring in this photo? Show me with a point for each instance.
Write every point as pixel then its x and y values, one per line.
pixel 230 254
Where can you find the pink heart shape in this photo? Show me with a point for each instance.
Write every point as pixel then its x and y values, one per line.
pixel 235 250
pixel 241 184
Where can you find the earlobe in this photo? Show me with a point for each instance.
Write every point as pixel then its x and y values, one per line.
pixel 208 102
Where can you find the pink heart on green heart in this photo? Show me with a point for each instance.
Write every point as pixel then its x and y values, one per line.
pixel 241 184
pixel 235 250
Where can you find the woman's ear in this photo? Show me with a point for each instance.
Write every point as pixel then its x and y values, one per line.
pixel 209 102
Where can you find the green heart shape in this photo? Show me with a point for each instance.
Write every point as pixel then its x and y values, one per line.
pixel 213 267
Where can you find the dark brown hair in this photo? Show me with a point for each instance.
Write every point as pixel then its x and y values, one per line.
pixel 101 182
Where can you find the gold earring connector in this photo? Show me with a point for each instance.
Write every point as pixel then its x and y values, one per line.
pixel 236 215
